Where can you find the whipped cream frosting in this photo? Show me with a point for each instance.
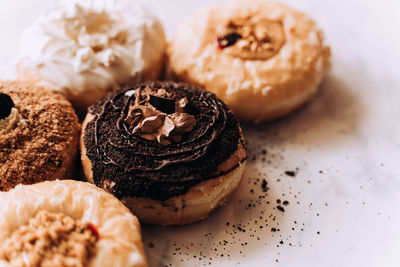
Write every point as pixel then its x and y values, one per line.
pixel 86 48
pixel 9 122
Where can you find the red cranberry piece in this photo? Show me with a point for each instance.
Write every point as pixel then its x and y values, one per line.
pixel 94 230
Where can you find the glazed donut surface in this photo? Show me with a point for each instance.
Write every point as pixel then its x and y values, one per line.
pixel 262 59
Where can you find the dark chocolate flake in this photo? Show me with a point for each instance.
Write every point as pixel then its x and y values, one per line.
pixel 228 40
pixel 163 104
pixel 6 104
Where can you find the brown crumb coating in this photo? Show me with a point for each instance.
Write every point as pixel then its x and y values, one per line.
pixel 44 147
pixel 48 240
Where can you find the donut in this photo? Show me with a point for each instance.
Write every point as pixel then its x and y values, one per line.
pixel 39 135
pixel 172 153
pixel 85 49
pixel 67 223
pixel 263 59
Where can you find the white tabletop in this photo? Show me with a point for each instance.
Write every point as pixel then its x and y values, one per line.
pixel 344 147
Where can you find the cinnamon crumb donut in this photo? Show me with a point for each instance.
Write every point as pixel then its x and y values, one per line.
pixel 171 152
pixel 39 135
pixel 67 223
pixel 262 59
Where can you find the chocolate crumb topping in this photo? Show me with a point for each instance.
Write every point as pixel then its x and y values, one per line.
pixel 6 104
pixel 137 167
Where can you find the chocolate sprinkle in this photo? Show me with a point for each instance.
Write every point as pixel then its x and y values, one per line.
pixel 143 168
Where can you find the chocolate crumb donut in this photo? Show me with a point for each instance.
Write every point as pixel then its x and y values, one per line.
pixel 171 152
pixel 39 135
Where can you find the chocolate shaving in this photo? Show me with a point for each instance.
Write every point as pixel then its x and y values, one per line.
pixel 162 104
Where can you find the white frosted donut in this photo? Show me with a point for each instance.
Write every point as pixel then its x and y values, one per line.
pixel 263 59
pixel 85 49
pixel 118 231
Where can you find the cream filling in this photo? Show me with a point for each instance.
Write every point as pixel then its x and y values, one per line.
pixel 9 123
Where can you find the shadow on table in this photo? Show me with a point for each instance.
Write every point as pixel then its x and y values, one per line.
pixel 334 113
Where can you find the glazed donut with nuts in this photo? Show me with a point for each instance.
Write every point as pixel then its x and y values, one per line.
pixel 67 223
pixel 171 152
pixel 262 59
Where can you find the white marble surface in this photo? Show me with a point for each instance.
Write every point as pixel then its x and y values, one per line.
pixel 345 144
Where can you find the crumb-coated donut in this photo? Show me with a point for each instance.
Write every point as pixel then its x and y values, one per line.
pixel 171 152
pixel 39 135
pixel 67 223
pixel 262 59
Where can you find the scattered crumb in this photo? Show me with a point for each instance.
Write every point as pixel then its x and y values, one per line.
pixel 290 173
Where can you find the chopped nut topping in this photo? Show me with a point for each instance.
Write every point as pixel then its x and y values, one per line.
pixel 241 37
pixel 50 239
pixel 156 117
